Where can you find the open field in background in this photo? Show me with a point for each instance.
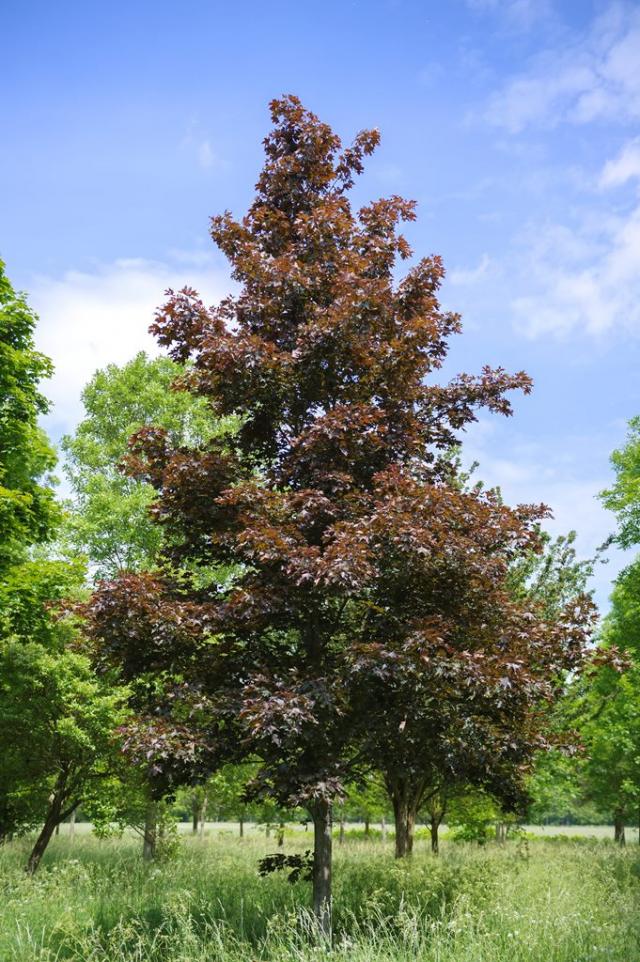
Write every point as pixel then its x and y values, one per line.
pixel 95 901
pixel 251 828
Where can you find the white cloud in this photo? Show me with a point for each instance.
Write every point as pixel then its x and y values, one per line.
pixel 91 318
pixel 595 77
pixel 624 167
pixel 468 276
pixel 586 277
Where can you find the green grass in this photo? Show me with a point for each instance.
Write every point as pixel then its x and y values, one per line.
pixel 94 901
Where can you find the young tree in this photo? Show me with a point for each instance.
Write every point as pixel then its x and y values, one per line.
pixel 339 468
pixel 609 721
pixel 62 723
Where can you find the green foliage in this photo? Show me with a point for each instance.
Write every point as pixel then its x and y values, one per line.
pixel 558 793
pixel 471 817
pixel 622 624
pixel 57 724
pixel 623 497
pixel 553 576
pixel 57 720
pixel 110 520
pixel 366 801
pixel 27 507
pixel 611 731
pixel 30 594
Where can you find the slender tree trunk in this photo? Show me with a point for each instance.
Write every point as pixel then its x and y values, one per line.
pixel 54 817
pixel 72 824
pixel 194 819
pixel 383 828
pixel 203 815
pixel 150 837
pixel 367 826
pixel 280 834
pixel 241 824
pixel 321 814
pixel 618 829
pixel 341 835
pixel 434 827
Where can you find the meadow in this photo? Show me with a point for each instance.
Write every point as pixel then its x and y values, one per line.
pixel 556 900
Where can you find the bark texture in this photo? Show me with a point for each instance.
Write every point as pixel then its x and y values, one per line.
pixel 322 843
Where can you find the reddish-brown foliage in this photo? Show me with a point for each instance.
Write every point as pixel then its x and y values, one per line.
pixel 368 621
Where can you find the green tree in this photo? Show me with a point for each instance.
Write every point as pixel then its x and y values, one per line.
pixel 57 721
pixel 28 510
pixel 623 497
pixel 110 520
pixel 62 723
pixel 610 729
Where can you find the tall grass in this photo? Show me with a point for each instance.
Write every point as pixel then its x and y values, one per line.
pixel 95 901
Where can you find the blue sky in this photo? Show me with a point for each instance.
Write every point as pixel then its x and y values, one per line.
pixel 513 123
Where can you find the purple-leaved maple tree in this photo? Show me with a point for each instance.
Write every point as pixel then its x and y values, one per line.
pixel 363 620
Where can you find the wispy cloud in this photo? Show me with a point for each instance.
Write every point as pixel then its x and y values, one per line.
pixel 586 277
pixel 461 276
pixel 91 318
pixel 199 146
pixel 624 167
pixel 207 157
pixel 594 77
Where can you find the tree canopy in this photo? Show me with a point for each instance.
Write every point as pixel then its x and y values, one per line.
pixel 362 567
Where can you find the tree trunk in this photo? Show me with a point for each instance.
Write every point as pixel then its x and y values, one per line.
pixel 341 835
pixel 54 817
pixel 433 828
pixel 72 824
pixel 367 826
pixel 203 815
pixel 405 818
pixel 280 834
pixel 150 837
pixel 406 797
pixel 618 829
pixel 383 828
pixel 241 825
pixel 194 819
pixel 321 814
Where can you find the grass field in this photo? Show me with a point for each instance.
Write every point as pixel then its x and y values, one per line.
pixel 542 901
